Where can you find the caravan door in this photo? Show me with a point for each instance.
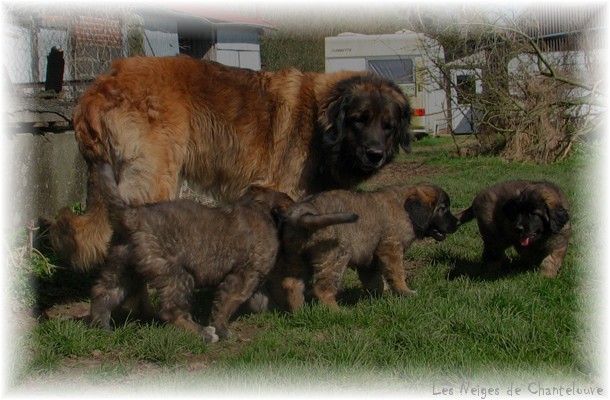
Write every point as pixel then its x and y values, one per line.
pixel 466 85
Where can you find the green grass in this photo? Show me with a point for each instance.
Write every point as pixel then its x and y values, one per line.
pixel 55 341
pixel 459 329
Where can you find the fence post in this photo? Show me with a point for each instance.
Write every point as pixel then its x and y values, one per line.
pixel 55 70
pixel 135 35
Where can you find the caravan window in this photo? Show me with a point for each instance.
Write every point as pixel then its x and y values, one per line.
pixel 398 70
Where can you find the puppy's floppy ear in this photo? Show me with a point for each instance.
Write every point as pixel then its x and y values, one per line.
pixel 277 213
pixel 509 208
pixel 558 217
pixel 419 213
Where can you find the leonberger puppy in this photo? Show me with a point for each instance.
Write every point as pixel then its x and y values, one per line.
pixel 176 246
pixel 389 220
pixel 157 120
pixel 531 216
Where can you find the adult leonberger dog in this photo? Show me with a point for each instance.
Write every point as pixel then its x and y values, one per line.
pixel 156 120
pixel 532 216
pixel 389 221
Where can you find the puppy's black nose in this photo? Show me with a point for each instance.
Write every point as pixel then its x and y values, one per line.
pixel 375 156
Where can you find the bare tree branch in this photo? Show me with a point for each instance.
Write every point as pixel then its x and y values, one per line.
pixel 532 103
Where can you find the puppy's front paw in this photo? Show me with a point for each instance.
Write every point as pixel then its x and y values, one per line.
pixel 409 293
pixel 224 332
pixel 548 273
pixel 209 334
pixel 101 322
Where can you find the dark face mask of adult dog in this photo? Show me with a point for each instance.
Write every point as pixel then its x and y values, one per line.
pixel 366 124
pixel 531 218
pixel 432 220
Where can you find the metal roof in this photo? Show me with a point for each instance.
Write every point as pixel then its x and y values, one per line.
pixel 219 16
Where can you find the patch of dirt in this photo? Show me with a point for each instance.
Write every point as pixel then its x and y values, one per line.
pixel 404 172
pixel 243 333
pixel 75 310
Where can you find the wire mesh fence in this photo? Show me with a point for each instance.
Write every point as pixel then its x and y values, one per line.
pixel 48 47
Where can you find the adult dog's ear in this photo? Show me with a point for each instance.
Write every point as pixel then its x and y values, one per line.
pixel 419 213
pixel 558 217
pixel 333 121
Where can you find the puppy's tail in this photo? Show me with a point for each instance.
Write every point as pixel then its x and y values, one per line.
pixel 465 216
pixel 313 221
pixel 119 212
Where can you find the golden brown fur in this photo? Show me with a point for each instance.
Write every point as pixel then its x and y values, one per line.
pixel 529 215
pixel 226 129
pixel 389 220
pixel 175 246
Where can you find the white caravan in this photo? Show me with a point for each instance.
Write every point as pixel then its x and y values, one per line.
pixel 404 57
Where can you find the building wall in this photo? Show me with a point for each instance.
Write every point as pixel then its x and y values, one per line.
pixel 239 47
pixel 46 173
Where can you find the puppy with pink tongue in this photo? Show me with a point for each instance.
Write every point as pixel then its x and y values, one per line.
pixel 531 216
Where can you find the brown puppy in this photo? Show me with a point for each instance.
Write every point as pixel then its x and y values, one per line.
pixel 531 216
pixel 175 246
pixel 225 129
pixel 389 221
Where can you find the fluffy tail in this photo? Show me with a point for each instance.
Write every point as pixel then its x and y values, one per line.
pixel 313 221
pixel 82 239
pixel 119 212
pixel 465 216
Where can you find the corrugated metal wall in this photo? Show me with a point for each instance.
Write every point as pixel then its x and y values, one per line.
pixel 561 27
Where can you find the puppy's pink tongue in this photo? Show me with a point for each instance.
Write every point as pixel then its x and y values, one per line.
pixel 526 242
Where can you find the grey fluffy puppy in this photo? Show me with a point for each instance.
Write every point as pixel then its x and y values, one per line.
pixel 175 246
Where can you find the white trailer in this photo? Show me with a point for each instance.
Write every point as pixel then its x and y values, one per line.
pixel 403 57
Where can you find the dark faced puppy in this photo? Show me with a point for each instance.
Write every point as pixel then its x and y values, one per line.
pixel 175 246
pixel 533 217
pixel 389 221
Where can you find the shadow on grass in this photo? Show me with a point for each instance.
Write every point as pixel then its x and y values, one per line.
pixel 475 270
pixel 353 295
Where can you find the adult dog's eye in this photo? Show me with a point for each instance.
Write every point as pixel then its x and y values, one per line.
pixel 359 118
